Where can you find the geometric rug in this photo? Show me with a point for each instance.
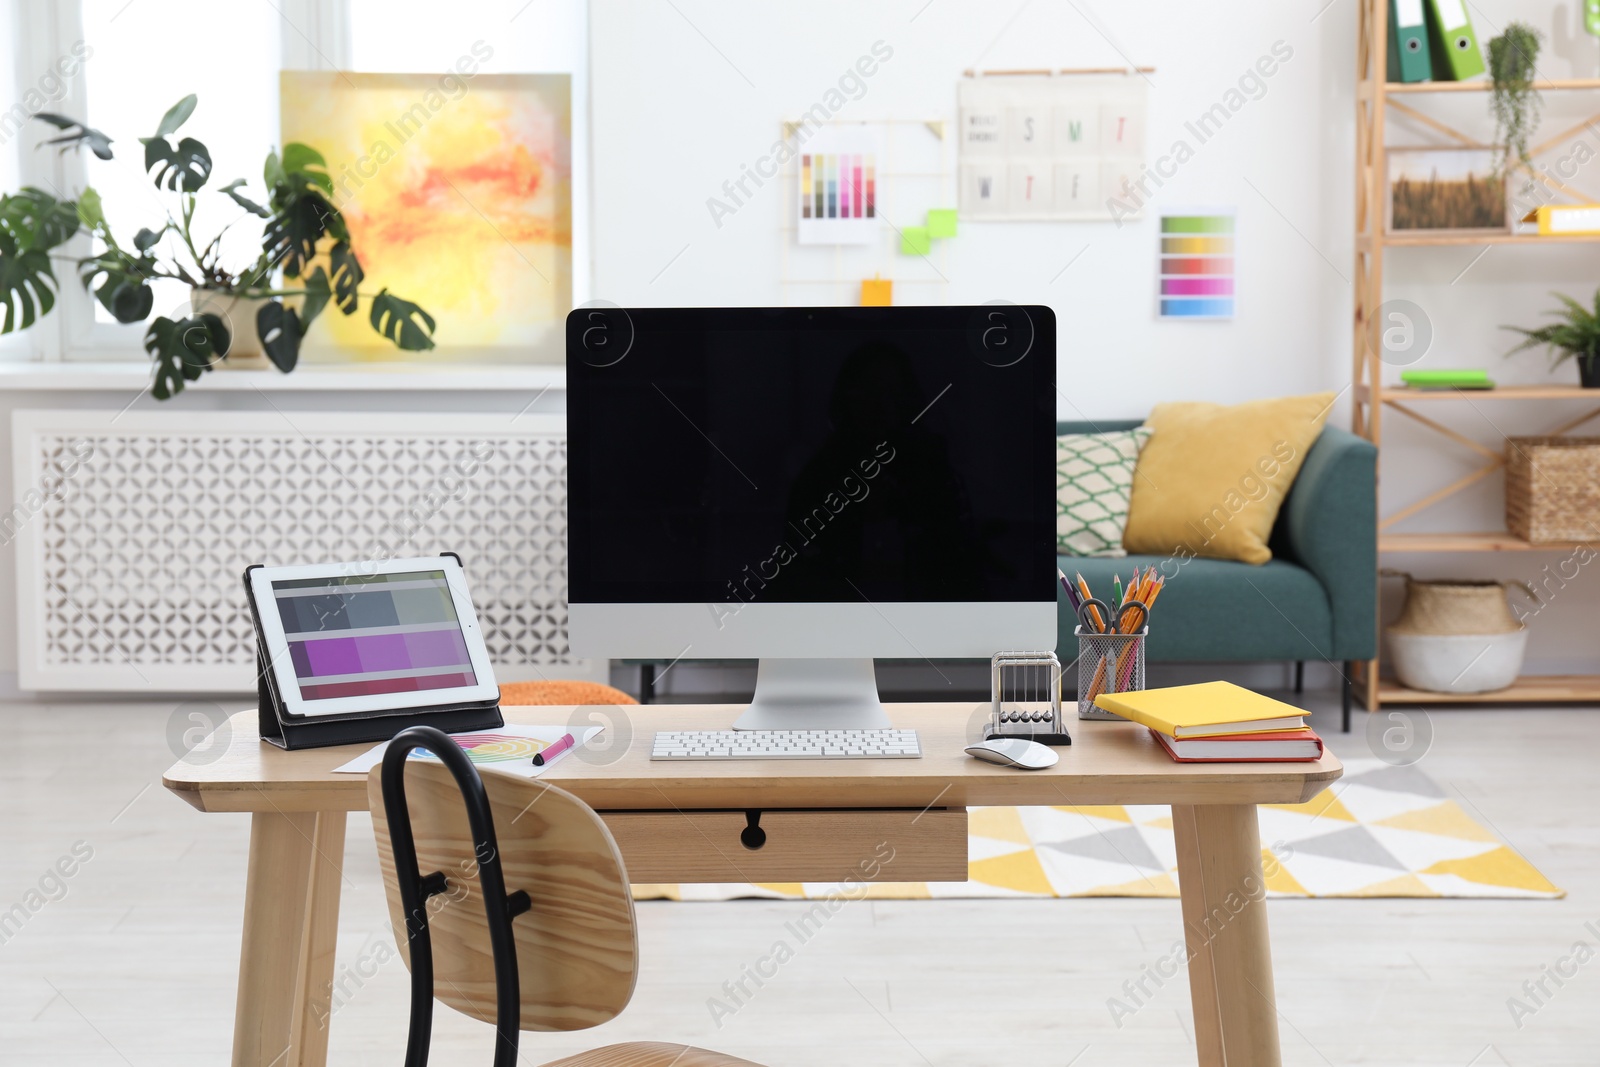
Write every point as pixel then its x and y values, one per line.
pixel 1379 831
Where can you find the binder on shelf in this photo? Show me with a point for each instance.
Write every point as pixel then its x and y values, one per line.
pixel 1409 55
pixel 1556 219
pixel 1452 41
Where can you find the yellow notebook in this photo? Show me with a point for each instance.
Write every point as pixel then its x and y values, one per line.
pixel 1209 709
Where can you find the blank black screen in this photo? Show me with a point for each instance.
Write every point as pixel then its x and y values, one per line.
pixel 811 455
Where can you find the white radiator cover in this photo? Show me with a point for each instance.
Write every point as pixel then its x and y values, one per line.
pixel 135 530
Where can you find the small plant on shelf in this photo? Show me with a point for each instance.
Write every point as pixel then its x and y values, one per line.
pixel 1575 337
pixel 1513 59
pixel 305 253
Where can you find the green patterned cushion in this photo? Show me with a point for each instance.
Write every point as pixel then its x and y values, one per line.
pixel 1094 478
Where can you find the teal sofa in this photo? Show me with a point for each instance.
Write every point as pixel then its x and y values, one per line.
pixel 1315 599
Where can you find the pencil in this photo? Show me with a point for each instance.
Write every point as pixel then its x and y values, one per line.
pixel 1094 612
pixel 1099 680
pixel 1125 669
pixel 1072 594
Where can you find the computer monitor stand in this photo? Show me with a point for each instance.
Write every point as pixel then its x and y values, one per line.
pixel 815 694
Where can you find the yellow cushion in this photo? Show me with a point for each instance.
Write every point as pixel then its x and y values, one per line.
pixel 1211 479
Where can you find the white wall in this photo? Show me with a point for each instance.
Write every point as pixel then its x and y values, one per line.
pixel 686 93
pixel 674 119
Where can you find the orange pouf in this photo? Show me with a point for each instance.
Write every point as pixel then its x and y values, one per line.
pixel 561 692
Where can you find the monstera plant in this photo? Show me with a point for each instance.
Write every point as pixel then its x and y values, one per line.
pixel 306 257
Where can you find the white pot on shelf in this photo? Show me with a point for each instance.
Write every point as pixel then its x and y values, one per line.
pixel 1457 663
pixel 238 313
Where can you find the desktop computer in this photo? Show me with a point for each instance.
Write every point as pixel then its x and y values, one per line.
pixel 811 488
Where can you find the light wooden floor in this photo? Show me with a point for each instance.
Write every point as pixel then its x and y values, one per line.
pixel 135 962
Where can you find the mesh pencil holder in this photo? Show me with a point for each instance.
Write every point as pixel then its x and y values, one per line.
pixel 1108 663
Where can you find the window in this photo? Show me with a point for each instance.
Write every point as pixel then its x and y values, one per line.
pixel 141 65
pixel 12 124
pixel 143 57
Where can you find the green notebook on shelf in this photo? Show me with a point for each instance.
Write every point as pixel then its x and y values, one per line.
pixel 1447 379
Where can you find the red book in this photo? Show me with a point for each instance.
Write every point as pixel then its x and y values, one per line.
pixel 1280 746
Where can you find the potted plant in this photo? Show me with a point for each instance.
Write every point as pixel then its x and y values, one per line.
pixel 1515 106
pixel 235 311
pixel 1576 336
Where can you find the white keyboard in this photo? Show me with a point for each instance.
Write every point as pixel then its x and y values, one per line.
pixel 786 744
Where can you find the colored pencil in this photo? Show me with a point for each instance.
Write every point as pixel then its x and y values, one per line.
pixel 1072 594
pixel 1125 669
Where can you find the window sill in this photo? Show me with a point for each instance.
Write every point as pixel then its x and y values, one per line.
pixel 369 377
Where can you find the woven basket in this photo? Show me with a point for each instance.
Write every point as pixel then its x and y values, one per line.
pixel 1457 607
pixel 1553 488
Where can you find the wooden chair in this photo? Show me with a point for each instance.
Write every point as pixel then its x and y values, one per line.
pixel 557 951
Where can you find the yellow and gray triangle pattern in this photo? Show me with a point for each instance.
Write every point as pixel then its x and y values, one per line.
pixel 1380 831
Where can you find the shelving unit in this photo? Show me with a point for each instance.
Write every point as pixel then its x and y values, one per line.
pixel 1401 88
pixel 1529 689
pixel 1494 541
pixel 1371 397
pixel 1403 240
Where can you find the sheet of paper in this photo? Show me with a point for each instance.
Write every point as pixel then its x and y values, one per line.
pixel 510 749
pixel 838 201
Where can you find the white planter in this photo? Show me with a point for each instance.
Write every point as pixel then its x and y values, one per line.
pixel 239 314
pixel 1457 663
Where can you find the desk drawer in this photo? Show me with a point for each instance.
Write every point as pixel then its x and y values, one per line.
pixel 882 845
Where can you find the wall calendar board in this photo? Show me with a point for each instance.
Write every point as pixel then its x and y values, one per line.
pixel 1051 146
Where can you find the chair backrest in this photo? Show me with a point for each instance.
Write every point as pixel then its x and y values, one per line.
pixel 576 946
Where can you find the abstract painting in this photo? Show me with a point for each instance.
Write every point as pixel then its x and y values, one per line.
pixel 458 193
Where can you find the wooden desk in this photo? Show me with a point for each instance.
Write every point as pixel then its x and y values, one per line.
pixel 823 819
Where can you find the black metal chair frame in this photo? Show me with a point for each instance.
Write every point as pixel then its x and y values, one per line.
pixel 417 888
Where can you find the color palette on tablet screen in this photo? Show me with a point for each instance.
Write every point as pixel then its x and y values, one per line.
pixel 365 635
pixel 1197 275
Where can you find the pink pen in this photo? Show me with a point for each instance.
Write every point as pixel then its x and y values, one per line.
pixel 555 749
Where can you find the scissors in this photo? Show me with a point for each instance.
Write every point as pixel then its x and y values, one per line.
pixel 1097 617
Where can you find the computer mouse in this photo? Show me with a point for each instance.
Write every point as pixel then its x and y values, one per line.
pixel 1015 752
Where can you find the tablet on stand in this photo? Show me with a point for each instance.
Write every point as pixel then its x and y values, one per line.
pixel 356 652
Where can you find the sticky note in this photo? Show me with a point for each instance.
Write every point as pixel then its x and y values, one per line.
pixel 914 241
pixel 877 293
pixel 942 222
